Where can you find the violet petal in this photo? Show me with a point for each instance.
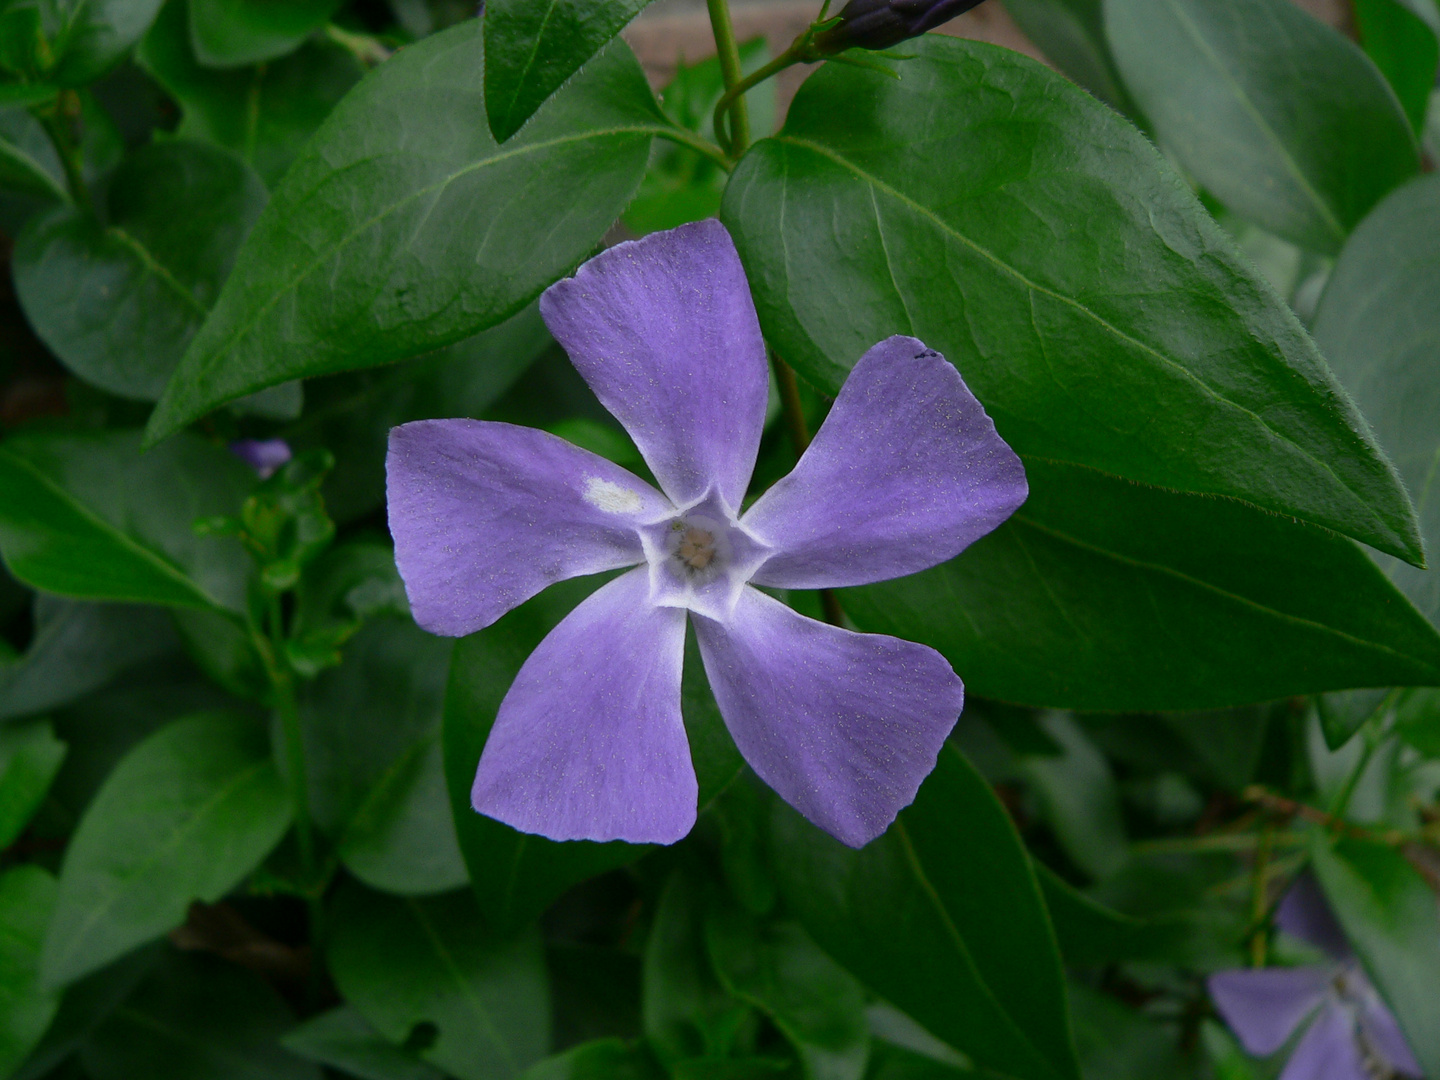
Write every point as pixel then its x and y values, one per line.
pixel 1328 1050
pixel 589 743
pixel 1264 1006
pixel 664 331
pixel 1305 913
pixel 262 455
pixel 906 472
pixel 486 515
pixel 843 726
pixel 1381 1028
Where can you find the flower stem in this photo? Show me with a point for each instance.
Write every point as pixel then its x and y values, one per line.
pixel 735 94
pixel 729 56
pixel 1260 896
pixel 684 137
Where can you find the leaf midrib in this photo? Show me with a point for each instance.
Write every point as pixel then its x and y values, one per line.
pixel 155 561
pixel 1116 332
pixel 155 267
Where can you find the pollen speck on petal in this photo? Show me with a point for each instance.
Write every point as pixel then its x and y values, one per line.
pixel 611 497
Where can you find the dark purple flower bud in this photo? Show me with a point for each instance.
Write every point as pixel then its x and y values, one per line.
pixel 879 24
pixel 262 455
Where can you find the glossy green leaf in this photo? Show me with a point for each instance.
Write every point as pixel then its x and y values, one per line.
pixel 486 996
pixel 28 162
pixel 78 648
pixel 1379 326
pixel 372 732
pixel 344 1040
pixel 233 33
pixel 1100 594
pixel 1391 916
pixel 118 302
pixel 603 1059
pixel 92 36
pixel 185 816
pixel 263 113
pixel 987 206
pixel 196 1018
pixel 516 875
pixel 1404 47
pixel 943 918
pixel 30 756
pixel 27 898
pixel 87 515
pixel 818 1005
pixel 403 226
pixel 1071 34
pixel 533 46
pixel 1278 114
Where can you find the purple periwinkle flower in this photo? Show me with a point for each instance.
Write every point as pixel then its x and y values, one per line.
pixel 906 471
pixel 262 455
pixel 879 24
pixel 1349 1034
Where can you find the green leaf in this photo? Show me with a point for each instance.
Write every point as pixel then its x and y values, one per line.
pixel 233 33
pixel 1391 916
pixel 185 816
pixel 533 46
pixel 1404 48
pixel 408 962
pixel 27 897
pixel 403 226
pixel 344 1040
pixel 515 875
pixel 94 35
pixel 1278 114
pixel 87 515
pixel 1071 34
pixel 28 162
pixel 942 916
pixel 603 1059
pixel 78 648
pixel 1379 326
pixel 816 1003
pixel 1417 720
pixel 118 302
pixel 1079 799
pixel 1009 220
pixel 196 1018
pixel 352 415
pixel 1117 1042
pixel 30 756
pixel 1093 935
pixel 372 734
pixel 264 113
pixel 1100 594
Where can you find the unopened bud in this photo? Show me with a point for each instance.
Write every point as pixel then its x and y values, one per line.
pixel 879 24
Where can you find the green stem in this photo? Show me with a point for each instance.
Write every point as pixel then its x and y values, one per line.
pixel 1184 845
pixel 735 94
pixel 700 145
pixel 59 121
pixel 282 684
pixel 729 55
pixel 1260 896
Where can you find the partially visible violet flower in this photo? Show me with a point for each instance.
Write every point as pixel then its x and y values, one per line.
pixel 1349 1032
pixel 589 743
pixel 262 455
pixel 879 24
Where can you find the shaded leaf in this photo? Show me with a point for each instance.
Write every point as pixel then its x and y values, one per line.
pixel 27 898
pixel 987 206
pixel 403 226
pixel 1100 594
pixel 30 756
pixel 185 816
pixel 118 302
pixel 1071 34
pixel 196 1018
pixel 343 1039
pixel 1278 114
pixel 486 996
pixel 1405 49
pixel 1079 799
pixel 91 517
pixel 1093 935
pixel 533 46
pixel 603 1059
pixel 264 113
pixel 1379 326
pixel 28 162
pixel 93 36
pixel 942 917
pixel 233 33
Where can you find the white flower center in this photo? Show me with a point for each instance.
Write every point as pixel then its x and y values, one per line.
pixel 700 559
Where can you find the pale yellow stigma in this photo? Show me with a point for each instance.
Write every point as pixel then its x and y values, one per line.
pixel 697 548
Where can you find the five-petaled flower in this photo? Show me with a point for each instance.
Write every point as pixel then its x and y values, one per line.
pixel 906 471
pixel 1349 1033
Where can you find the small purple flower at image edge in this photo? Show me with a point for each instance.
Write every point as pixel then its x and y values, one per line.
pixel 906 471
pixel 1346 1032
pixel 265 456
